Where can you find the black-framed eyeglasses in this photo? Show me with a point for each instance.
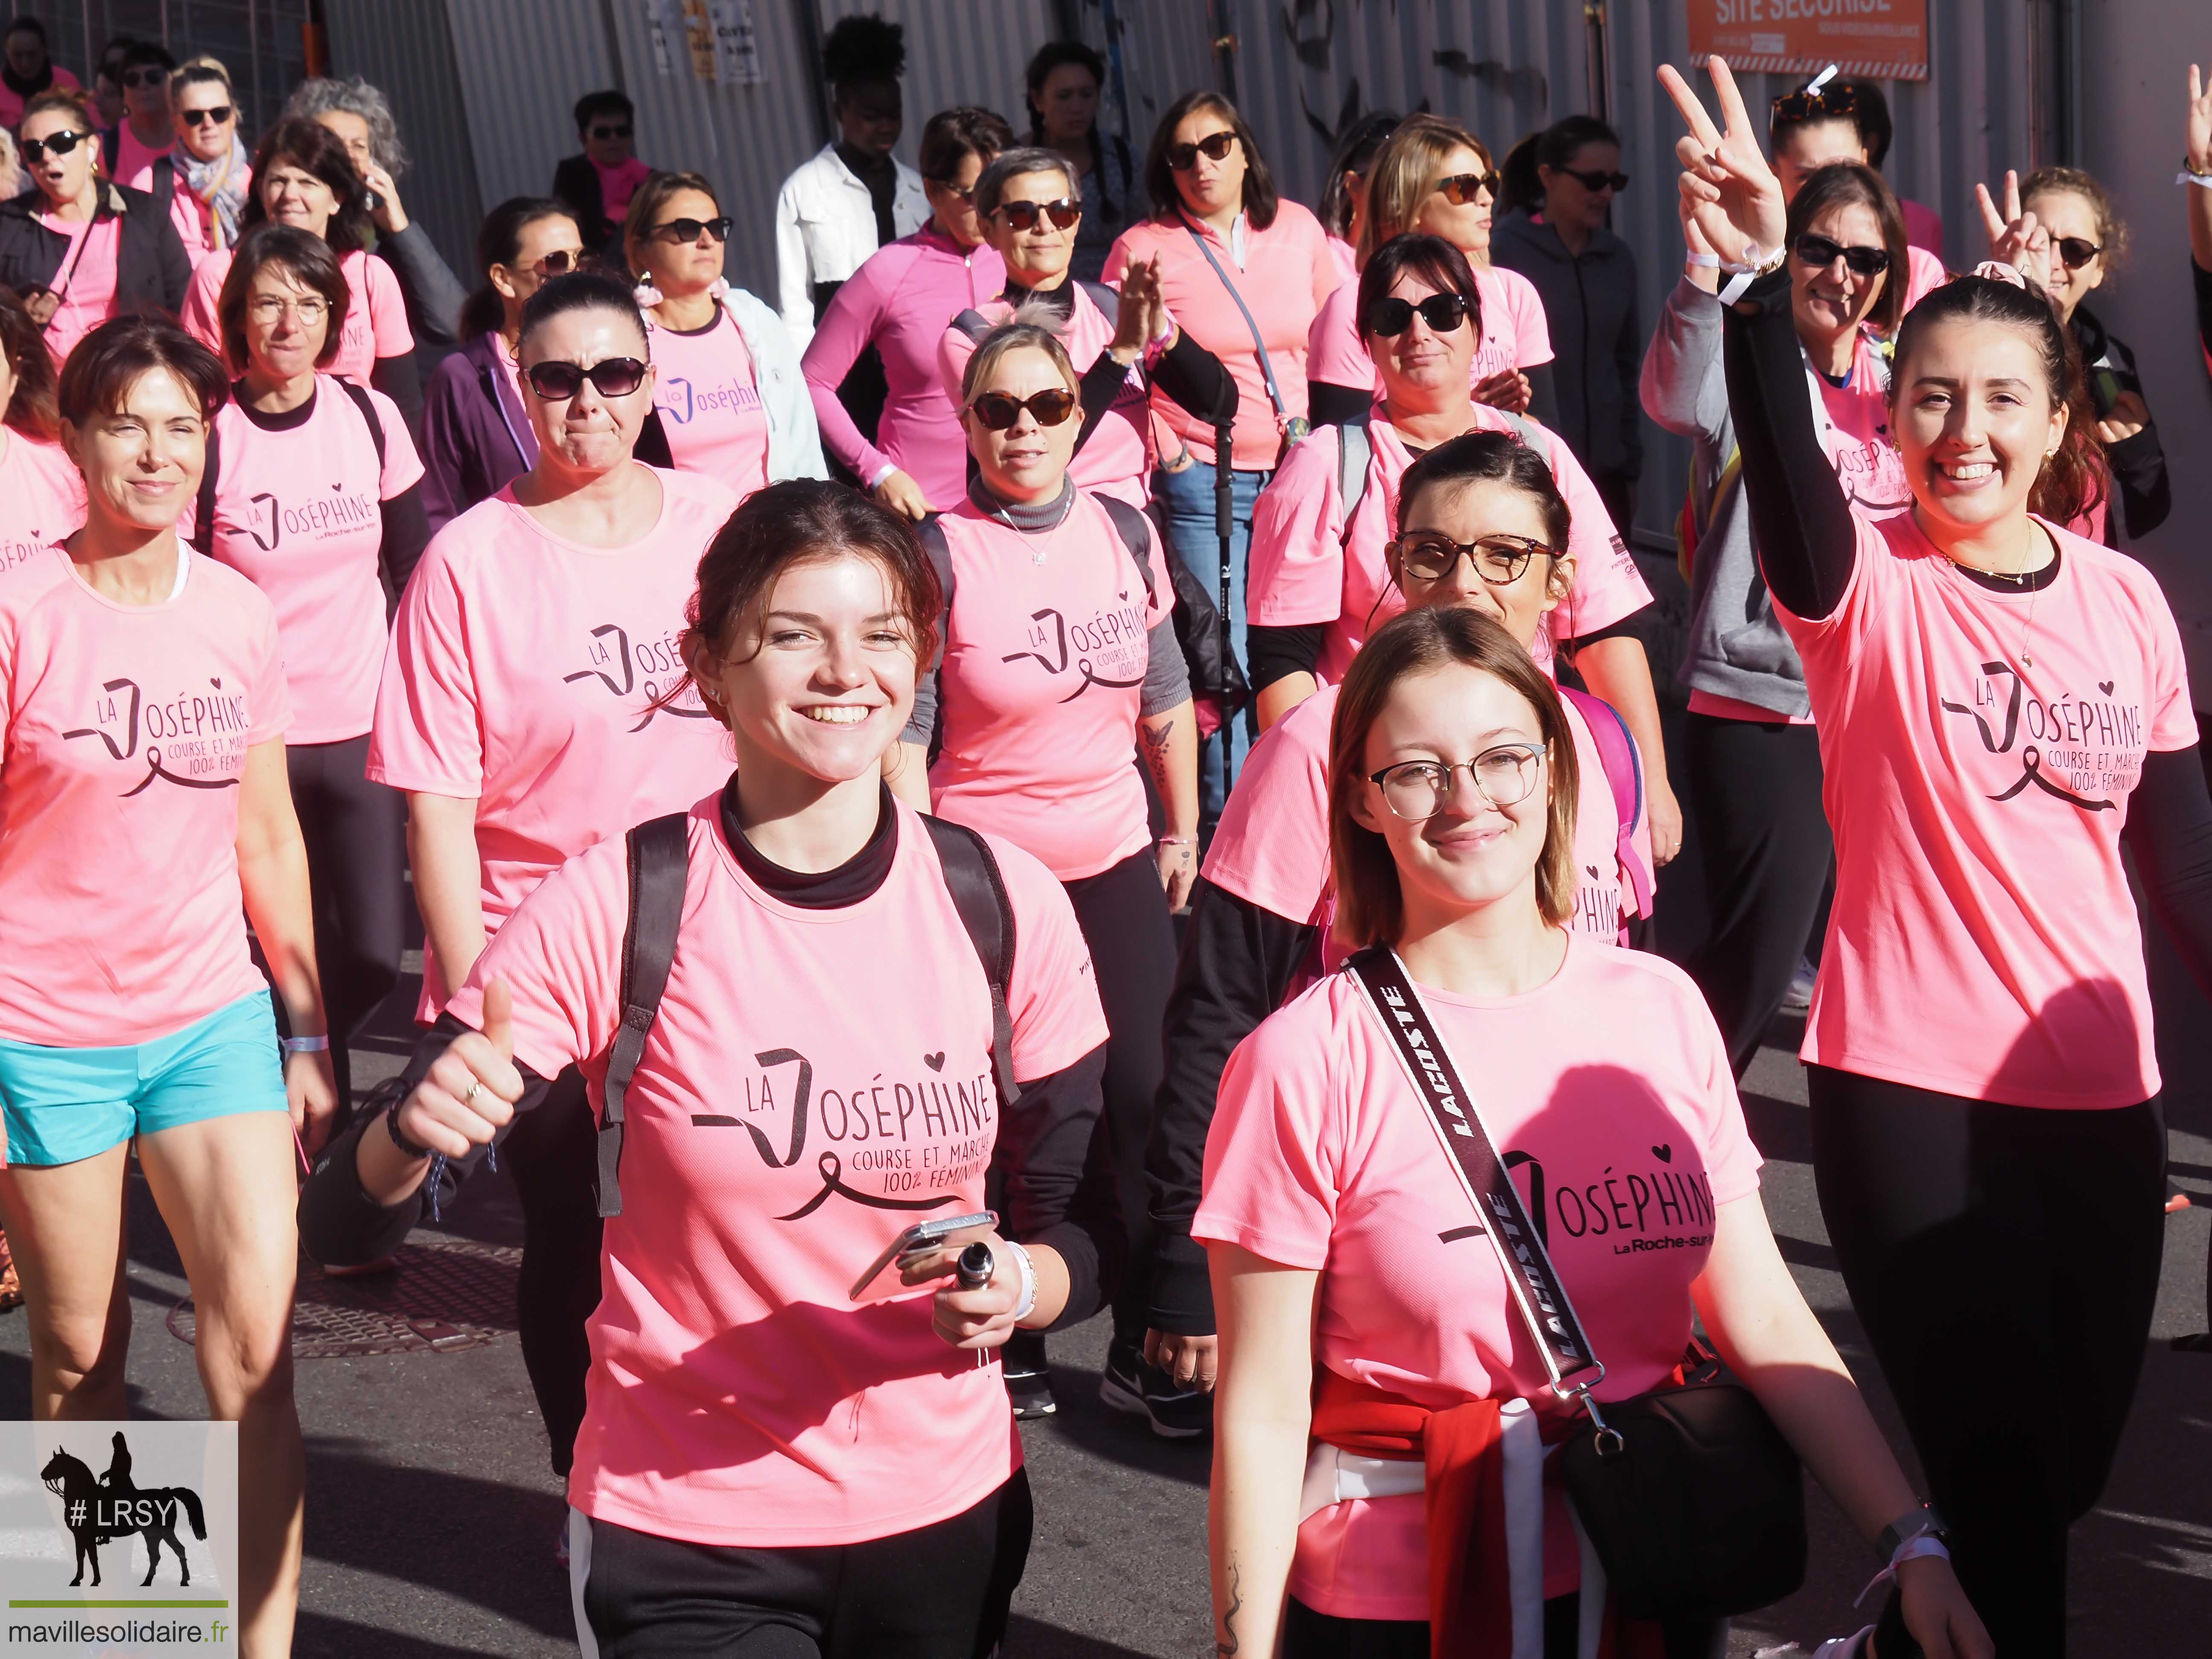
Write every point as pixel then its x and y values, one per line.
pixel 2075 251
pixel 688 230
pixel 998 411
pixel 605 133
pixel 1024 215
pixel 36 150
pixel 1417 791
pixel 1594 182
pixel 1431 555
pixel 1461 188
pixel 1391 316
pixel 144 77
pixel 1820 252
pixel 1840 104
pixel 218 114
pixel 1215 147
pixel 612 377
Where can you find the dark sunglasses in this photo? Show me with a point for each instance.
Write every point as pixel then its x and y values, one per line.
pixel 36 150
pixel 1024 215
pixel 200 117
pixel 144 77
pixel 1463 187
pixel 2075 251
pixel 1841 104
pixel 615 377
pixel 605 133
pixel 1215 147
pixel 998 411
pixel 1594 182
pixel 1820 252
pixel 1430 556
pixel 687 230
pixel 1392 316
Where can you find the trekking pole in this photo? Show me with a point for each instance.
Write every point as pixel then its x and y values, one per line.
pixel 1224 523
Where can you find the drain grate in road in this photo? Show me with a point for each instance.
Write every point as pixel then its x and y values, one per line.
pixel 453 1294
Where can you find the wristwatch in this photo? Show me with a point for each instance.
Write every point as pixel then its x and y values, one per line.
pixel 1913 1523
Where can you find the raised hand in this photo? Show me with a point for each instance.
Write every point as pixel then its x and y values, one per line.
pixel 1707 278
pixel 2017 238
pixel 2199 133
pixel 472 1090
pixel 1734 195
pixel 1140 297
pixel 1508 389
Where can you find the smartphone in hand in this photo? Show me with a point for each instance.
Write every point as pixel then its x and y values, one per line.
pixel 913 1241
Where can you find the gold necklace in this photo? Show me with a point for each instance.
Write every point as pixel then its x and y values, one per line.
pixel 2021 580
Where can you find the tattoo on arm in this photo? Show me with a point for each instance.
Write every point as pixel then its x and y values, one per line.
pixel 1156 748
pixel 1228 1645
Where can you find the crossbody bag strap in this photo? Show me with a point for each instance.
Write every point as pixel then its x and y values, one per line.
pixel 659 853
pixel 1452 1113
pixel 1266 368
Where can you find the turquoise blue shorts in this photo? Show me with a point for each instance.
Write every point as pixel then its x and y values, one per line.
pixel 64 1104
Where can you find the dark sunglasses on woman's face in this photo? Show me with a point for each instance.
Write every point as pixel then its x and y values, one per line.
pixel 1463 187
pixel 687 230
pixel 1391 316
pixel 36 150
pixel 1820 252
pixel 605 133
pixel 1594 182
pixel 197 117
pixel 2075 251
pixel 615 377
pixel 998 411
pixel 1215 147
pixel 1024 215
pixel 144 77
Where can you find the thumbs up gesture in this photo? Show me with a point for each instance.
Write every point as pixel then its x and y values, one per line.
pixel 470 1091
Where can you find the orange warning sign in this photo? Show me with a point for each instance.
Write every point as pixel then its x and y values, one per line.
pixel 1876 39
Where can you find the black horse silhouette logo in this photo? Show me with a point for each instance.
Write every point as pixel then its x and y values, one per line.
pixel 98 1511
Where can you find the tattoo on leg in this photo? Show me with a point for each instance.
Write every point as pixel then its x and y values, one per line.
pixel 1228 1646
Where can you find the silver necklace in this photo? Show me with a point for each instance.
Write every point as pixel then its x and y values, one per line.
pixel 1041 540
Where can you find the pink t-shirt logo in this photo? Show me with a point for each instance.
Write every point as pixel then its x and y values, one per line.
pixel 2098 743
pixel 319 518
pixel 615 663
pixel 1111 649
pixel 206 733
pixel 680 400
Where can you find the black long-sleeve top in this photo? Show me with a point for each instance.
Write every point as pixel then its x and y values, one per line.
pixel 1190 374
pixel 2137 464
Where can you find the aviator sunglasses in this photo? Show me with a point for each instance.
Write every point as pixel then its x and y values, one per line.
pixel 1820 252
pixel 36 150
pixel 998 411
pixel 613 377
pixel 1391 316
pixel 1215 147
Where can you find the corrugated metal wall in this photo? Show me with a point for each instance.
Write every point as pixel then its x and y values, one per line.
pixel 405 48
pixel 259 41
pixel 521 65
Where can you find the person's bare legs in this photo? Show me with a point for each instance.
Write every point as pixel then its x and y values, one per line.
pixel 65 1223
pixel 226 1188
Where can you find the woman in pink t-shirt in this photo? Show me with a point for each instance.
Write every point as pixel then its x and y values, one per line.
pixel 726 381
pixel 41 491
pixel 829 1060
pixel 1367 1325
pixel 313 491
pixel 1060 666
pixel 1435 178
pixel 2003 706
pixel 144 822
pixel 521 710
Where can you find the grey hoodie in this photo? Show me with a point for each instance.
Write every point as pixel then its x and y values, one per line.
pixel 1590 306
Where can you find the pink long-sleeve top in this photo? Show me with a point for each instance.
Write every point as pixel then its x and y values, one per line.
pixel 900 302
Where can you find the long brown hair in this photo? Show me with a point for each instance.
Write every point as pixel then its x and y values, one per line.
pixel 1371 904
pixel 32 411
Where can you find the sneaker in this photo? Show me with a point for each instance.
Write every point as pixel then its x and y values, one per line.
pixel 1798 998
pixel 1846 1647
pixel 1030 1393
pixel 1142 1390
pixel 561 1545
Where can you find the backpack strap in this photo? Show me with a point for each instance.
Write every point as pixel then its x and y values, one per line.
pixel 1136 536
pixel 1355 447
pixel 974 324
pixel 203 506
pixel 979 894
pixel 360 396
pixel 1623 771
pixel 1107 300
pixel 659 858
pixel 1532 433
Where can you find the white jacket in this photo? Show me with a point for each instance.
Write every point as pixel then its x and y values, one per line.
pixel 794 442
pixel 825 228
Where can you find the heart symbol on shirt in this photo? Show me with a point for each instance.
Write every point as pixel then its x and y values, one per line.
pixel 1592 868
pixel 215 682
pixel 2104 686
pixel 1665 1151
pixel 936 1061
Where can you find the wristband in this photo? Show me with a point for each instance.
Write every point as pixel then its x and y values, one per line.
pixel 1027 1305
pixel 1912 1549
pixel 1925 1522
pixel 881 473
pixel 1703 261
pixel 2188 175
pixel 307 1045
pixel 1746 274
pixel 1176 840
pixel 392 1128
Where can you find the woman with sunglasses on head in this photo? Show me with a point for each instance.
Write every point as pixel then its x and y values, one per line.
pixel 76 248
pixel 41 491
pixel 1433 177
pixel 1320 579
pixel 477 431
pixel 521 710
pixel 1822 124
pixel 1058 666
pixel 1481 526
pixel 311 490
pixel 896 306
pixel 2003 708
pixel 207 172
pixel 727 382
pixel 1754 758
pixel 303 177
pixel 145 825
pixel 1382 1407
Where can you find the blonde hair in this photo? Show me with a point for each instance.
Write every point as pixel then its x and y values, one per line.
pixel 1405 171
pixel 1001 342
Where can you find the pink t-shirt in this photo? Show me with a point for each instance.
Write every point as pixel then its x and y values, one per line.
pixel 296 512
pixel 780 1131
pixel 1041 678
pixel 12 102
pixel 1321 1157
pixel 1117 459
pixel 709 402
pixel 86 277
pixel 123 732
pixel 41 499
pixel 376 315
pixel 1348 265
pixel 1306 567
pixel 134 160
pixel 1514 332
pixel 1924 274
pixel 1271 848
pixel 1287 272
pixel 1979 750
pixel 521 674
pixel 617 185
pixel 1923 228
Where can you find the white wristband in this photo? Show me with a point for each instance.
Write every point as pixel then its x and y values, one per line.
pixel 881 473
pixel 1920 1544
pixel 2202 180
pixel 309 1045
pixel 1027 1305
pixel 1703 261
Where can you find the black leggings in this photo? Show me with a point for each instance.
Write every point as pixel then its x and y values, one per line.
pixel 1310 1635
pixel 2004 1260
pixel 1123 913
pixel 1762 836
pixel 938 1592
pixel 552 1153
pixel 356 837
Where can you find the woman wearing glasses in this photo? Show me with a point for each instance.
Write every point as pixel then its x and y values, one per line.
pixel 727 380
pixel 896 306
pixel 77 249
pixel 1754 758
pixel 477 432
pixel 1818 126
pixel 1587 277
pixel 312 489
pixel 1434 177
pixel 520 710
pixel 208 170
pixel 1059 665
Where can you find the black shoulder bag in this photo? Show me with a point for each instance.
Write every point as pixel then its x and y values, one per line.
pixel 1692 1499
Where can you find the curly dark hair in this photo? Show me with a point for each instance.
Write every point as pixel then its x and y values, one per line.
pixel 860 50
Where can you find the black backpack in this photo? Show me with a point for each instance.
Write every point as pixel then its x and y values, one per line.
pixel 659 858
pixel 203 512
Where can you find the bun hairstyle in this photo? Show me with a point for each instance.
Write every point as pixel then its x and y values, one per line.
pixel 1843 183
pixel 861 50
pixel 1355 153
pixel 499 242
pixel 31 409
pixel 1556 146
pixel 2073 481
pixel 1370 902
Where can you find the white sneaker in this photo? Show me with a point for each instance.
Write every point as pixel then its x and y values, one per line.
pixel 1798 998
pixel 1846 1647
